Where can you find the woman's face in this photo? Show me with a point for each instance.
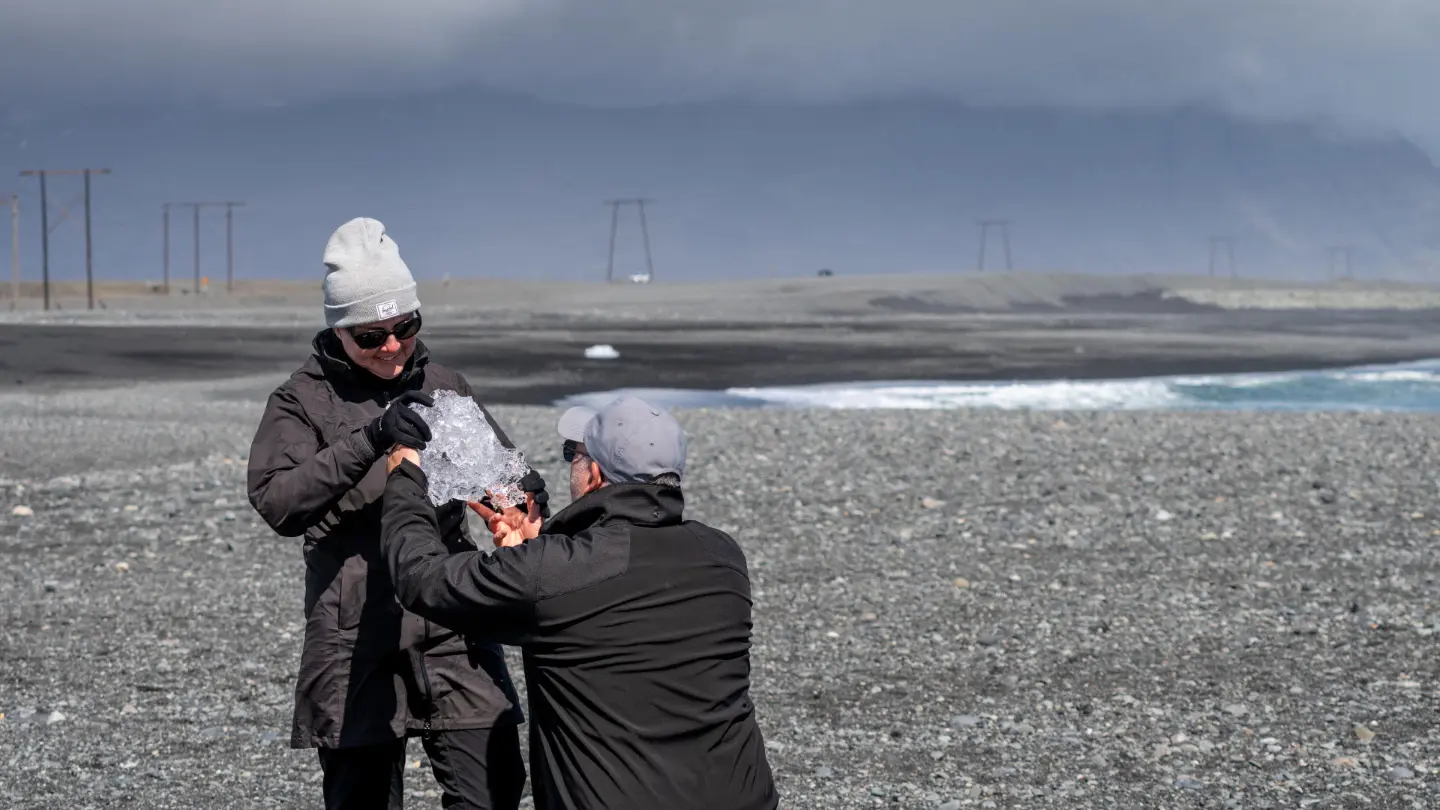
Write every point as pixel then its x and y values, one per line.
pixel 386 360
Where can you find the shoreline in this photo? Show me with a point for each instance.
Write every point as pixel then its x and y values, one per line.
pixel 523 343
pixel 541 366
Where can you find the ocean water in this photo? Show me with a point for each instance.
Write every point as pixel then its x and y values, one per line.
pixel 1399 387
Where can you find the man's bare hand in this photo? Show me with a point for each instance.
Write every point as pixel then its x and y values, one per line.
pixel 510 526
pixel 400 454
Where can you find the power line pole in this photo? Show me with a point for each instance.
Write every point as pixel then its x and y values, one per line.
pixel 89 274
pixel 165 219
pixel 229 206
pixel 1004 226
pixel 195 209
pixel 638 202
pixel 229 250
pixel 645 234
pixel 1229 243
pixel 1348 252
pixel 44 243
pixel 45 228
pixel 14 251
pixel 614 225
pixel 196 220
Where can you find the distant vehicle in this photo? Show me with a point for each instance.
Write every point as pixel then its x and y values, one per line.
pixel 640 278
pixel 826 273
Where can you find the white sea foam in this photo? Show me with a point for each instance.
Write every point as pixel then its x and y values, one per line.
pixel 1409 386
pixel 1396 375
pixel 1251 380
pixel 1046 395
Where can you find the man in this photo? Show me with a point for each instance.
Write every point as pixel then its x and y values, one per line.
pixel 372 674
pixel 635 623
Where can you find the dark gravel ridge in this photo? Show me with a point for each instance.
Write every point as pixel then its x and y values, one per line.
pixel 954 609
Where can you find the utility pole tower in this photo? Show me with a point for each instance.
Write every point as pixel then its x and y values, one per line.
pixel 45 229
pixel 165 219
pixel 1348 251
pixel 638 202
pixel 1004 226
pixel 195 209
pixel 229 242
pixel 229 206
pixel 14 251
pixel 1229 244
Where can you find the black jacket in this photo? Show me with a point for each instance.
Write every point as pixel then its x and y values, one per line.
pixel 369 671
pixel 635 625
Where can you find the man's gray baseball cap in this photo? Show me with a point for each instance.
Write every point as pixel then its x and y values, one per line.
pixel 632 440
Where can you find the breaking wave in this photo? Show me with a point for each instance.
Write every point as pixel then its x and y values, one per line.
pixel 1399 387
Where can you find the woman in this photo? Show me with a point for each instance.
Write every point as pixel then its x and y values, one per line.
pixel 371 673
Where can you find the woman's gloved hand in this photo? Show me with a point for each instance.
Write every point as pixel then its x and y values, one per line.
pixel 400 425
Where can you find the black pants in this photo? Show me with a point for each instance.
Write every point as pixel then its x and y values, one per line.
pixel 478 769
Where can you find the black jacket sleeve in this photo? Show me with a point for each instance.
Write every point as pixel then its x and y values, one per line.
pixel 481 595
pixel 291 482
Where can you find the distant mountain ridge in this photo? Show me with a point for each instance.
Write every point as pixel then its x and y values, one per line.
pixel 473 184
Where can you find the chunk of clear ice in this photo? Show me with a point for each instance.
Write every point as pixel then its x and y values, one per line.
pixel 464 458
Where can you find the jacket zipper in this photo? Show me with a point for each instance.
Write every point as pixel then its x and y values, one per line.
pixel 425 682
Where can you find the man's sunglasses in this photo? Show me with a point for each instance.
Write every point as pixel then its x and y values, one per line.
pixel 375 338
pixel 570 450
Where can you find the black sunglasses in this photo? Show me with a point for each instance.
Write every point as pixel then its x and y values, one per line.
pixel 570 450
pixel 375 338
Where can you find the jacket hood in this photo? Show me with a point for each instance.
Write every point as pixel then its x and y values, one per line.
pixel 637 504
pixel 334 364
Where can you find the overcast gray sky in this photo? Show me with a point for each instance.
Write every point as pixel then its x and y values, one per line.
pixel 1370 61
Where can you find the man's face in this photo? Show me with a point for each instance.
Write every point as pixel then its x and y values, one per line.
pixel 387 359
pixel 584 472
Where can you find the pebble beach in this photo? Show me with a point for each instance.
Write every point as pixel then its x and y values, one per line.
pixel 953 609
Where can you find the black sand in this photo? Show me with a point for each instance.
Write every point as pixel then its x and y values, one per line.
pixel 541 361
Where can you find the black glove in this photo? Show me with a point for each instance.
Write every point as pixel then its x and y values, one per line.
pixel 533 483
pixel 400 425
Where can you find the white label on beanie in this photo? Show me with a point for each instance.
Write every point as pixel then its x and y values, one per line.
pixel 387 309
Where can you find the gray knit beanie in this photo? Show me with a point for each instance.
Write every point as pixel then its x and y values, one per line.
pixel 365 278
